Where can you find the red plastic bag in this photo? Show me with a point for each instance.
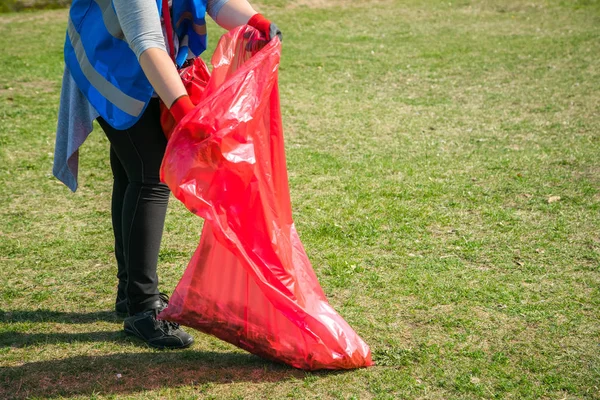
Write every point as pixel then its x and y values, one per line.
pixel 249 282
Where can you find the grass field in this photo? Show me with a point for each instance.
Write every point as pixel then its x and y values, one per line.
pixel 445 180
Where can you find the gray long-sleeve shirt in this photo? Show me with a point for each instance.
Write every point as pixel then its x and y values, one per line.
pixel 141 25
pixel 142 29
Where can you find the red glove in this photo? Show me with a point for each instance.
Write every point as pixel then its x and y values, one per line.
pixel 270 30
pixel 180 107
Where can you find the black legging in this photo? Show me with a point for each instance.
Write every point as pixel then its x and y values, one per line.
pixel 139 206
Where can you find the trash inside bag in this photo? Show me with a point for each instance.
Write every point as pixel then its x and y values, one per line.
pixel 249 282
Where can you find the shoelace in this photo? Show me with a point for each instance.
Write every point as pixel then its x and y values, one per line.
pixel 164 298
pixel 169 326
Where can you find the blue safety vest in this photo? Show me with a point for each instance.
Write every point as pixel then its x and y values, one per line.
pixel 105 68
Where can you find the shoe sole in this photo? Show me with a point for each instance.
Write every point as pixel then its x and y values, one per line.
pixel 133 333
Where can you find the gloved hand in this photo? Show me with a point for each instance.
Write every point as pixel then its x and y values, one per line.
pixel 270 30
pixel 181 107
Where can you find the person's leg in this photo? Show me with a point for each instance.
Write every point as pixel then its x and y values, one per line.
pixel 120 183
pixel 144 211
pixel 139 150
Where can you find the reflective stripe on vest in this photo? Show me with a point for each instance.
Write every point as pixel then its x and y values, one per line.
pixel 110 92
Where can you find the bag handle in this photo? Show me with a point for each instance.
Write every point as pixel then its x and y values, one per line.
pixel 166 13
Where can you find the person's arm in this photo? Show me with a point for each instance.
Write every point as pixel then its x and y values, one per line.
pixel 141 27
pixel 233 13
pixel 239 12
pixel 162 74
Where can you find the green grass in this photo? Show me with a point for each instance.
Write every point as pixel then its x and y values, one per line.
pixel 20 5
pixel 424 141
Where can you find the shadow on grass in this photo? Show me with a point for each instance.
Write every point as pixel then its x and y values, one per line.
pixel 121 373
pixel 87 375
pixel 57 316
pixel 19 339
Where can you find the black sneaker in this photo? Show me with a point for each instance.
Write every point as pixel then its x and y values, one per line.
pixel 155 332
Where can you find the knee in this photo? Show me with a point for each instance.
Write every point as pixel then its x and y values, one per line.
pixel 156 192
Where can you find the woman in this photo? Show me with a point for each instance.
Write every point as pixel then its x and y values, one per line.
pixel 117 63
